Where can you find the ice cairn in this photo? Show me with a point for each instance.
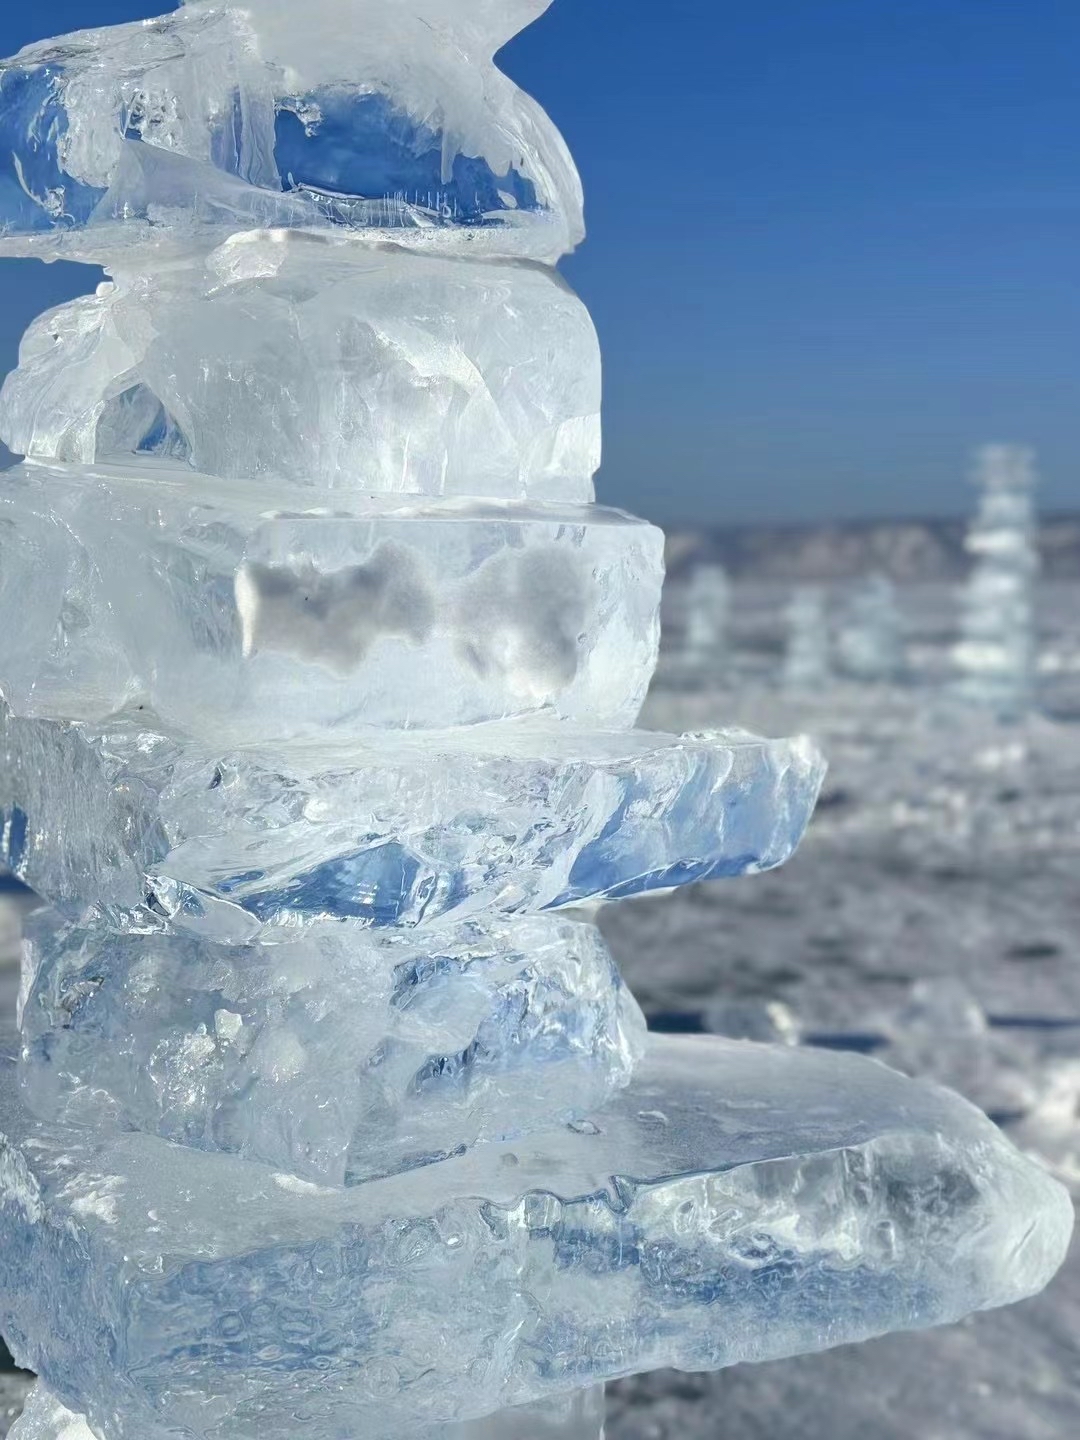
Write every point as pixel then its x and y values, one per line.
pixel 870 641
pixel 328 1112
pixel 700 626
pixel 995 657
pixel 807 663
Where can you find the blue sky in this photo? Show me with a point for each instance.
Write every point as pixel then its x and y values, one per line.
pixel 833 244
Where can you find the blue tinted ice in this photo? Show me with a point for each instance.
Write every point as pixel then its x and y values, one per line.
pixel 142 833
pixel 335 1054
pixel 329 117
pixel 735 1202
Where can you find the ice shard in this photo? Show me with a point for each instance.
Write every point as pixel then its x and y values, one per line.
pixel 328 1109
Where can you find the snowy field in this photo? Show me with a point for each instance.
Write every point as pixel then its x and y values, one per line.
pixel 932 918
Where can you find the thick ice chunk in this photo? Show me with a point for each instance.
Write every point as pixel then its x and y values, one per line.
pixel 735 1202
pixel 138 831
pixel 384 119
pixel 291 360
pixel 336 1054
pixel 233 617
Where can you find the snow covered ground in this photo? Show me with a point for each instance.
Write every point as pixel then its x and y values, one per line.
pixel 932 918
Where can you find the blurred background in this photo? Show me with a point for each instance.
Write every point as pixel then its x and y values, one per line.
pixel 832 258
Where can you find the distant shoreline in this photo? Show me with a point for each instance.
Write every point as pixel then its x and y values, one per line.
pixel 833 550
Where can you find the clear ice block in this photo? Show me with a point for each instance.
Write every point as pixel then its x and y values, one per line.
pixel 306 364
pixel 336 1132
pixel 386 122
pixel 230 614
pixel 735 1202
pixel 128 828
pixel 335 1054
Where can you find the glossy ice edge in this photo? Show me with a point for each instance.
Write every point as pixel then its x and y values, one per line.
pixel 703 1218
pixel 127 828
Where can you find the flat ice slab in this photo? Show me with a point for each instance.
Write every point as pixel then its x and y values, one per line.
pixel 735 1202
pixel 147 833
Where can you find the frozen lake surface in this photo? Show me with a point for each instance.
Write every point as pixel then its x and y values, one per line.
pixel 931 917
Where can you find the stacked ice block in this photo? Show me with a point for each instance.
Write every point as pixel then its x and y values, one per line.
pixel 997 656
pixel 328 1108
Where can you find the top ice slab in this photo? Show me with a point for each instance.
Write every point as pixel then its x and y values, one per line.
pixel 386 120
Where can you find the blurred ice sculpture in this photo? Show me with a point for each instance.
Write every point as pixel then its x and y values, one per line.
pixel 329 1113
pixel 695 626
pixel 807 657
pixel 870 639
pixel 707 598
pixel 995 657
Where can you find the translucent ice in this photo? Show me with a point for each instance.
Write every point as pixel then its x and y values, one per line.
pixel 283 358
pixel 141 832
pixel 944 1034
pixel 386 121
pixel 579 1416
pixel 233 614
pixel 706 1217
pixel 335 1054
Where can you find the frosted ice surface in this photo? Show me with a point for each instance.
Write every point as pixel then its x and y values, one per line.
pixel 228 615
pixel 283 358
pixel 138 831
pixel 579 1416
pixel 701 1220
pixel 383 121
pixel 337 1054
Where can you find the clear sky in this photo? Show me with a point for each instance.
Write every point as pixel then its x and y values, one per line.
pixel 833 243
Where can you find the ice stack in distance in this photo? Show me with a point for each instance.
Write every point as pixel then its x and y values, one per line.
pixel 996 656
pixel 330 1109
